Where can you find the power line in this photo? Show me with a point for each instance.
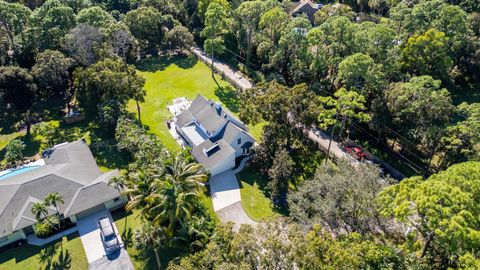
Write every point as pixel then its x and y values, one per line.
pixel 412 163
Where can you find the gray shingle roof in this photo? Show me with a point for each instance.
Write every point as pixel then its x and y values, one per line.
pixel 207 113
pixel 67 170
pixel 230 132
pixel 220 151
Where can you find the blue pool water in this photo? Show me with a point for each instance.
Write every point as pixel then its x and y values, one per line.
pixel 19 171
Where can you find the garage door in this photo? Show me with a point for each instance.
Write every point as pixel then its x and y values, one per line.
pixel 91 211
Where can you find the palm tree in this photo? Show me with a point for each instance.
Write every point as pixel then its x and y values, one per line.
pixel 149 236
pixel 53 199
pixel 138 188
pixel 176 195
pixel 44 222
pixel 39 209
pixel 117 182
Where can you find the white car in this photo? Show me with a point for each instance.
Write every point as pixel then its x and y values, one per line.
pixel 109 237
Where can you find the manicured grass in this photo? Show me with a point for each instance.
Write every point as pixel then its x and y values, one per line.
pixel 168 78
pixel 126 224
pixel 107 156
pixel 257 206
pixel 65 254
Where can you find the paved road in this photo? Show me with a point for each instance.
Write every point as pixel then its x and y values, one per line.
pixel 244 83
pixel 93 245
pixel 235 77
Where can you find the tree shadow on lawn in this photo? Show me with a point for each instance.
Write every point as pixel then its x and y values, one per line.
pixel 228 96
pixel 32 146
pixel 47 254
pixel 251 176
pixel 162 62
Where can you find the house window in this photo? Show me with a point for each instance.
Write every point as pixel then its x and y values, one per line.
pixel 239 140
pixel 116 199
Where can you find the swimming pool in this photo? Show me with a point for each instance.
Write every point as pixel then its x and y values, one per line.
pixel 18 171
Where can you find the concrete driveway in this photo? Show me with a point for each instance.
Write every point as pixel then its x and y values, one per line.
pixel 235 214
pixel 93 245
pixel 118 260
pixel 224 190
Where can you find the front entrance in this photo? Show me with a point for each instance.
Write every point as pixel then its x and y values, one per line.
pixel 90 211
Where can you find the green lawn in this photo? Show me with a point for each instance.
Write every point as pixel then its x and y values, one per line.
pixel 254 201
pixel 126 225
pixel 168 78
pixel 65 254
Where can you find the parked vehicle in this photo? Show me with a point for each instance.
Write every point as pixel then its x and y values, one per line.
pixel 108 234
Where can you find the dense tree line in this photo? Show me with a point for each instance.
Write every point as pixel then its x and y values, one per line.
pixel 410 66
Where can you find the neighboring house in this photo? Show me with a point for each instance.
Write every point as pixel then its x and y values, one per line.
pixel 70 169
pixel 306 7
pixel 217 138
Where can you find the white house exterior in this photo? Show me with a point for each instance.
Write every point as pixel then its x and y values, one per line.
pixel 216 137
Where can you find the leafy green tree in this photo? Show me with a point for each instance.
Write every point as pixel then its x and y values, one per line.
pixel 108 80
pixel 179 39
pixel 248 15
pixel 463 138
pixel 379 42
pixel 78 5
pixel 271 24
pixel 280 174
pixel 421 106
pixel 147 150
pixel 333 10
pixel 360 73
pixel 333 40
pixel 146 25
pixel 379 6
pixel 49 24
pixel 94 16
pixel 347 251
pixel 286 110
pixel 339 110
pixel 18 88
pixel 203 5
pixel 442 212
pixel 216 26
pixel 52 72
pixel 13 20
pixel 291 58
pixel 341 196
pixel 14 151
pixel 427 54
pixel 275 245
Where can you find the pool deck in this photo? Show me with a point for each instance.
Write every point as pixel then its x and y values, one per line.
pixel 39 163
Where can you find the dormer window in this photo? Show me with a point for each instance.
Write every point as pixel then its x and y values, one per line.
pixel 212 150
pixel 239 141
